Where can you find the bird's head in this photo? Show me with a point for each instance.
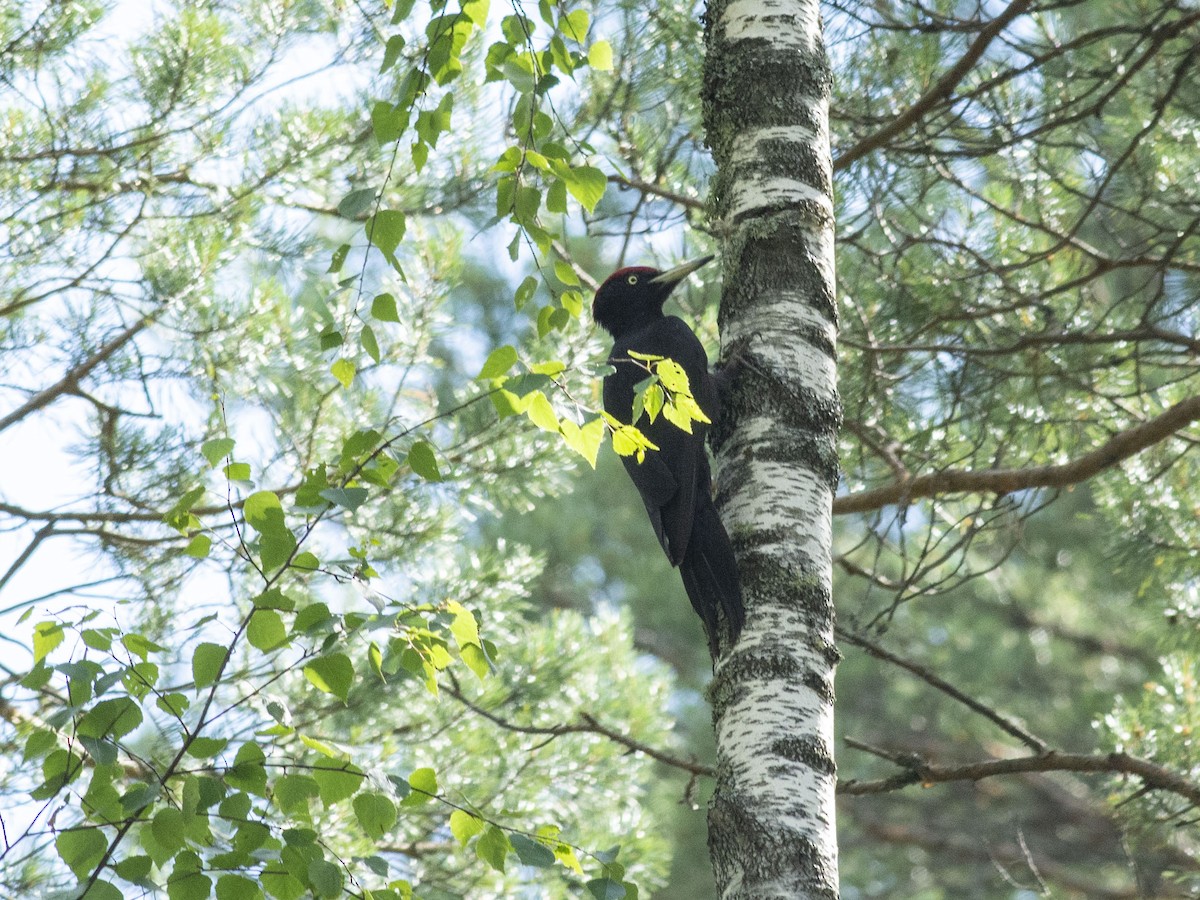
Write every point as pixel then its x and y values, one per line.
pixel 634 296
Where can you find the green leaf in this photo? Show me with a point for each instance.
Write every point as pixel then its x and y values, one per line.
pixel 179 516
pixel 175 704
pixel 424 782
pixel 321 747
pixel 355 203
pixel 59 768
pixel 423 460
pixel 673 376
pixel 476 11
pixel 565 273
pixel 141 645
pixel 336 780
pixel 572 302
pixel 464 826
pixel 383 308
pixel 207 660
pixel 292 793
pixel 46 636
pixel 343 370
pixel 370 343
pixel 606 889
pixel 388 122
pixel 38 743
pixel 391 52
pixel 248 772
pixel 525 290
pixel 281 885
pixel 385 230
pixel 206 747
pixel 167 826
pixel 312 616
pixel 378 865
pixel 586 440
pixel 541 412
pixel 575 25
pixel 600 56
pixel 104 890
pixel 350 498
pixel 653 400
pixel 217 449
pixel 237 887
pixel 333 674
pixel 586 185
pixel 266 630
pixel 477 660
pixel 531 852
pixel 198 547
pixel 420 155
pixel 464 627
pixel 263 510
pixel 338 259
pixel 498 363
pixel 357 447
pixel 188 883
pixel 527 203
pixel 306 562
pixel 135 868
pixel 326 878
pixel 81 849
pixel 492 847
pixel 274 598
pixel 556 197
pixel 375 660
pixel 98 639
pixel 110 718
pixel 376 814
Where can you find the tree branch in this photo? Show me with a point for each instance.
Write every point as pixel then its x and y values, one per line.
pixel 587 725
pixel 71 380
pixel 939 91
pixel 648 188
pixel 1003 722
pixel 961 847
pixel 1153 776
pixel 1006 481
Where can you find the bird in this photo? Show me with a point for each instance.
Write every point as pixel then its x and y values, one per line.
pixel 674 480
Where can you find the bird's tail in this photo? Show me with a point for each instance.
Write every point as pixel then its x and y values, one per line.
pixel 710 574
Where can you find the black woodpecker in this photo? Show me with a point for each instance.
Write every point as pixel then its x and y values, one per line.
pixel 674 481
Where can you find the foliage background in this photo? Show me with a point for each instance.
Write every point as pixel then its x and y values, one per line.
pixel 433 635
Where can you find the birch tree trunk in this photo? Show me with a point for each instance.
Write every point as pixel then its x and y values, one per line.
pixel 766 108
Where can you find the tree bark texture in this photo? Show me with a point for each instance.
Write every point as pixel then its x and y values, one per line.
pixel 766 109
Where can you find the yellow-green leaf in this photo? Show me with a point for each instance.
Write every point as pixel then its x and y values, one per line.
pixel 343 370
pixel 464 826
pixel 600 56
pixel 46 636
pixel 541 412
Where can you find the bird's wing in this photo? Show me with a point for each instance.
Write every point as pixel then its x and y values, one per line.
pixel 668 478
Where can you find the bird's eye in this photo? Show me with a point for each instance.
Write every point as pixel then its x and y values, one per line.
pixel 632 279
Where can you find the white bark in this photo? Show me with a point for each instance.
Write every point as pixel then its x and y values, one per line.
pixel 771 822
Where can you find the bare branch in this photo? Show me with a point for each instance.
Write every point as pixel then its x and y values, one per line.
pixel 646 187
pixel 1006 481
pixel 71 380
pixel 939 91
pixel 587 725
pixel 1152 775
pixel 961 847
pixel 1005 724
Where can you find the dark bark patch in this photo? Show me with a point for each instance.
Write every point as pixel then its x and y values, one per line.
pixel 765 855
pixel 808 750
